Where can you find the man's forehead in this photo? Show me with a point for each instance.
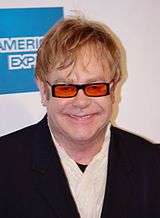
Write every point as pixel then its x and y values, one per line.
pixel 87 63
pixel 78 75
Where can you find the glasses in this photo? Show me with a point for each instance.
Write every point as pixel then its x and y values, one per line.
pixel 71 90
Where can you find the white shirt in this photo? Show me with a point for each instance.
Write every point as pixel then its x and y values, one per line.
pixel 87 188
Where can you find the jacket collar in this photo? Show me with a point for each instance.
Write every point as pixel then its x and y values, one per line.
pixel 120 178
pixel 49 177
pixel 43 147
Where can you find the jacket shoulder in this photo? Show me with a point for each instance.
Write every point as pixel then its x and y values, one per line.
pixel 22 141
pixel 17 146
pixel 129 137
pixel 134 147
pixel 17 135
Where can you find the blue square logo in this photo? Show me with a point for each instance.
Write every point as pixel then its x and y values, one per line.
pixel 21 33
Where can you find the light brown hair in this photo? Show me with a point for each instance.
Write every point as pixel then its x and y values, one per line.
pixel 60 46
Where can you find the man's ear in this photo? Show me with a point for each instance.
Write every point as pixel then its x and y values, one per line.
pixel 112 96
pixel 113 86
pixel 112 91
pixel 43 91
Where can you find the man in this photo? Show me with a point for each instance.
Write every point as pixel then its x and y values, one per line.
pixel 74 163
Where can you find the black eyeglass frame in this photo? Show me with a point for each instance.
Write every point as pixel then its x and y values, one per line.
pixel 78 87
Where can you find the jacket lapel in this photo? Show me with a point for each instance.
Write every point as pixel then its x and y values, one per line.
pixel 49 177
pixel 120 178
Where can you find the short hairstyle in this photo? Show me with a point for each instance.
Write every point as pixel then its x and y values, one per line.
pixel 60 46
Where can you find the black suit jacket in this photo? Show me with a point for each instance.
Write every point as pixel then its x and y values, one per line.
pixel 33 183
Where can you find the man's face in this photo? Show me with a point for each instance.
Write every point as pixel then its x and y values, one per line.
pixel 80 119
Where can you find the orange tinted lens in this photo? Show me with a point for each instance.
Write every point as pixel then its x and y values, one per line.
pixel 65 91
pixel 99 89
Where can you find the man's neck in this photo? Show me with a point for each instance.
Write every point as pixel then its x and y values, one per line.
pixel 82 156
pixel 82 153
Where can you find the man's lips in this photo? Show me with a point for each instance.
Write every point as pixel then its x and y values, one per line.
pixel 85 117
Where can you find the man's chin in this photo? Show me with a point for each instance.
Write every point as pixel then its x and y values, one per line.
pixel 82 136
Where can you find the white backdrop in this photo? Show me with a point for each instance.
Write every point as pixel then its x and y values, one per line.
pixel 137 23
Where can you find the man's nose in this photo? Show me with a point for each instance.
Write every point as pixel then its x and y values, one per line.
pixel 81 100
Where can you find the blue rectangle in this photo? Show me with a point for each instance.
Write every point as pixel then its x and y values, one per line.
pixel 21 31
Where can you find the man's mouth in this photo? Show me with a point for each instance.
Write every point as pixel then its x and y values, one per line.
pixel 81 117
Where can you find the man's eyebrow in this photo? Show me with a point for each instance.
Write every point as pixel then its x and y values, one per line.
pixel 92 80
pixel 59 81
pixel 71 81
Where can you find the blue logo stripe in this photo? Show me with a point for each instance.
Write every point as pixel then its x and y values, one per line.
pixel 21 33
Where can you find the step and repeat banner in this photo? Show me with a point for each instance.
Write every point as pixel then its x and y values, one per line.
pixel 22 27
pixel 20 36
